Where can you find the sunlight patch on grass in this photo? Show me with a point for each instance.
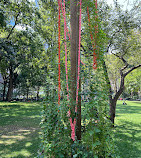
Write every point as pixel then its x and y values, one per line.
pixel 28 144
pixel 25 131
pixel 19 128
pixel 7 142
pixel 19 154
pixel 35 116
pixel 13 137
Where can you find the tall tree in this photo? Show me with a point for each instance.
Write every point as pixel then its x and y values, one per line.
pixel 123 44
pixel 21 15
pixel 74 22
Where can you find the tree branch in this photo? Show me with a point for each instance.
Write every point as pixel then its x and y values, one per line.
pixel 110 41
pixel 122 81
pixel 83 48
pixel 86 51
pixel 124 61
pixel 133 68
pixel 13 25
pixel 119 92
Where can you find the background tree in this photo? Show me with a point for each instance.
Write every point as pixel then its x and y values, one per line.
pixel 123 44
pixel 132 85
pixel 19 47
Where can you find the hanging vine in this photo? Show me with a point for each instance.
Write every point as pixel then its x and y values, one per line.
pixel 58 124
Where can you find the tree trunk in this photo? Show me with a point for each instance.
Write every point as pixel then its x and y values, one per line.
pixel 139 94
pixel 112 110
pixel 113 101
pixel 4 89
pixel 10 86
pixel 115 84
pixel 74 22
pixel 132 94
pixel 78 126
pixel 74 48
pixel 38 89
pixel 27 93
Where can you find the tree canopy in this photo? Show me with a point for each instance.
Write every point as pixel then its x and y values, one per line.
pixel 29 41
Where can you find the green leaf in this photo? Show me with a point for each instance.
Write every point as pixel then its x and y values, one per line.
pixel 91 133
pixel 74 156
pixel 95 144
pixel 97 130
pixel 61 155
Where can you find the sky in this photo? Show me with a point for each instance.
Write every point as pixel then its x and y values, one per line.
pixel 19 27
pixel 36 1
pixel 127 4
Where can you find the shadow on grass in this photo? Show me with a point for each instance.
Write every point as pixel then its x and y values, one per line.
pixel 11 106
pixel 19 129
pixel 123 109
pixel 11 114
pixel 127 139
pixel 136 102
pixel 21 146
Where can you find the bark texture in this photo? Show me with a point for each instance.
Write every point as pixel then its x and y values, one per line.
pixel 38 89
pixel 4 89
pixel 10 85
pixel 74 22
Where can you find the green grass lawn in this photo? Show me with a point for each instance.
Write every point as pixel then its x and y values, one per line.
pixel 128 129
pixel 19 129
